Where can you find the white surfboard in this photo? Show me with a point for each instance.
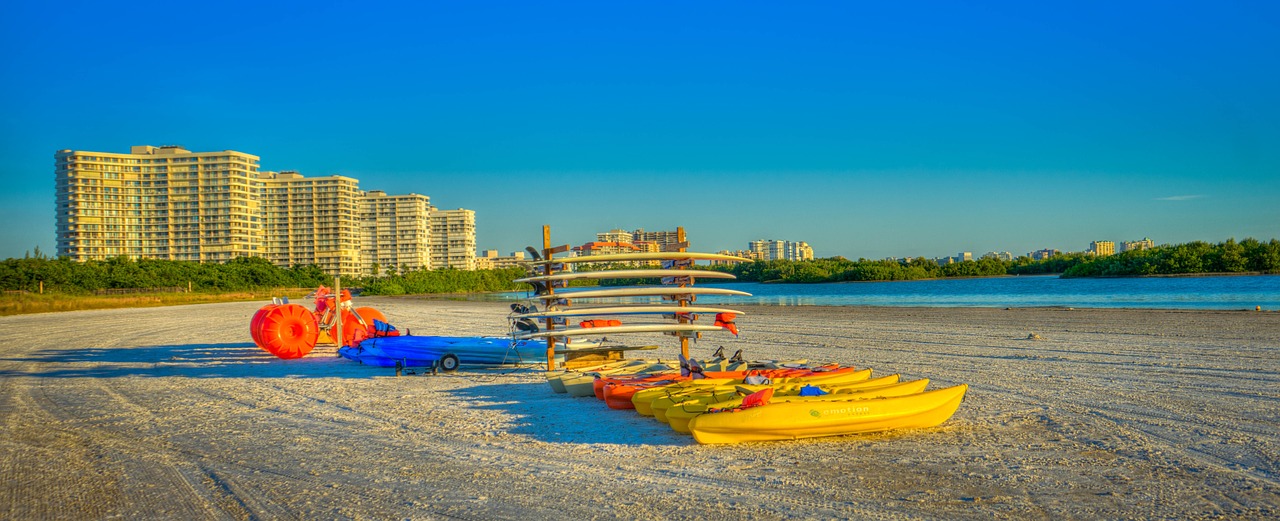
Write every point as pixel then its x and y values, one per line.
pixel 643 291
pixel 602 349
pixel 630 274
pixel 645 256
pixel 626 310
pixel 609 330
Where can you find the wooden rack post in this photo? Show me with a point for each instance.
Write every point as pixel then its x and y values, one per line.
pixel 551 291
pixel 683 318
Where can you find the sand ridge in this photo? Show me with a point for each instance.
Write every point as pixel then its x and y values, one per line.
pixel 173 413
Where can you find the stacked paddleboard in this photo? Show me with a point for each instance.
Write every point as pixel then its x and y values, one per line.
pixel 556 312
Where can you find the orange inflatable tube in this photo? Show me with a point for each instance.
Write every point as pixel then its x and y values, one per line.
pixel 256 322
pixel 287 331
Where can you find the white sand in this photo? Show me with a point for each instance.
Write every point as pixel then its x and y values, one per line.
pixel 173 413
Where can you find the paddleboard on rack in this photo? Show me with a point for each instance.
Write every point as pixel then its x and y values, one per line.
pixel 601 349
pixel 626 310
pixel 644 256
pixel 629 274
pixel 608 330
pixel 644 291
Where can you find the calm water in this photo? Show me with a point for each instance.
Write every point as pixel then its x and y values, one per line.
pixel 1242 292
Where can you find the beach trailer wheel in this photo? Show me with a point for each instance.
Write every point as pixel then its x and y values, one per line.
pixel 449 362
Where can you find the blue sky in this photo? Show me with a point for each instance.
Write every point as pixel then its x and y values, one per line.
pixel 865 129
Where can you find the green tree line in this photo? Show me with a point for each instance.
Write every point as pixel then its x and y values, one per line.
pixel 442 281
pixel 251 273
pixel 1249 255
pixel 839 269
pixel 241 274
pixel 72 277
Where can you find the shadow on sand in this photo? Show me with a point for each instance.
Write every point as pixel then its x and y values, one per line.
pixel 236 360
pixel 559 418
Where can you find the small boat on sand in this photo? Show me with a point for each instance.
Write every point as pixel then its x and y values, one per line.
pixel 445 352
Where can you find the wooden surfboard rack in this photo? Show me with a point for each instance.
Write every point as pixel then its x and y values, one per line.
pixel 546 271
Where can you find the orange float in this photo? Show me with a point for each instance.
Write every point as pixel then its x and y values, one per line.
pixel 256 322
pixel 287 331
pixel 369 315
pixel 353 332
pixel 292 331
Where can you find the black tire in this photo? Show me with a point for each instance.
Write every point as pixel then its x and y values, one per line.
pixel 449 363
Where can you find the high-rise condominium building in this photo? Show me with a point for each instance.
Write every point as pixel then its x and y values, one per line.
pixel 453 239
pixel 490 260
pixel 1143 244
pixel 621 236
pixel 396 232
pixel 1043 254
pixel 775 250
pixel 174 204
pixel 312 220
pixel 1102 248
pixel 667 241
pixel 157 202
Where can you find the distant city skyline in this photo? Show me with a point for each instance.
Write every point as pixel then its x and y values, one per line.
pixel 865 130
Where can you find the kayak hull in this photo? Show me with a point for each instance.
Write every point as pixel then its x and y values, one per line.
pixel 679 415
pixel 786 389
pixel 796 420
pixel 423 351
pixel 648 401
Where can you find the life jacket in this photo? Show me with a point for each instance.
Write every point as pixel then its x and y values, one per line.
pixel 725 320
pixel 599 322
pixel 757 398
pixel 381 329
pixel 752 399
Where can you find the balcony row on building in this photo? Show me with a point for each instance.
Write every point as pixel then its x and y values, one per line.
pixel 173 204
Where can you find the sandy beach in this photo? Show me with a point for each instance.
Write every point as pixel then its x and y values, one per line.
pixel 173 413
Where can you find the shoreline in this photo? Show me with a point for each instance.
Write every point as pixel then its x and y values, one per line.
pixel 172 412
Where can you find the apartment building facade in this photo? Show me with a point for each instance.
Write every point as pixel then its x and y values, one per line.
pixel 666 240
pixel 1143 244
pixel 780 250
pixel 174 204
pixel 157 202
pixel 490 260
pixel 396 232
pixel 1102 248
pixel 312 220
pixel 453 239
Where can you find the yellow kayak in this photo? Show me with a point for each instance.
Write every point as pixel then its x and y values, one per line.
pixel 644 399
pixel 679 415
pixel 730 392
pixel 809 419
